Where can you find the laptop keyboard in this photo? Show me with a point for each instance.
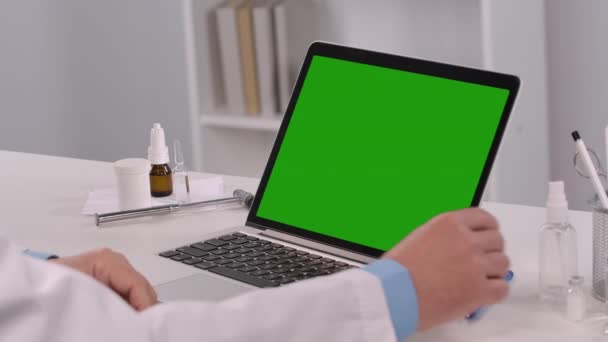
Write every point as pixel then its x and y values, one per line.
pixel 255 261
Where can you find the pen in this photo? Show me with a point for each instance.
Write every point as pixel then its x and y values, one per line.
pixel 591 172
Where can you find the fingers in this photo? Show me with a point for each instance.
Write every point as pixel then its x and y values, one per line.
pixel 490 241
pixel 496 291
pixel 496 265
pixel 115 271
pixel 476 219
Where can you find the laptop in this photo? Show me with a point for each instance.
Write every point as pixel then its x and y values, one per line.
pixel 372 146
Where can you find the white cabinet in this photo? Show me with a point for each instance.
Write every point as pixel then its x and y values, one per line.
pixel 501 35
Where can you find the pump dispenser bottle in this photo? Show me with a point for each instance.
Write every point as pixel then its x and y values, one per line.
pixel 558 261
pixel 161 180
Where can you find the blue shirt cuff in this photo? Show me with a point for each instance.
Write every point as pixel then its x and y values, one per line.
pixel 399 293
pixel 39 255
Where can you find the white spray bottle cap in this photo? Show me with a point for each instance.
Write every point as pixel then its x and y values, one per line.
pixel 158 152
pixel 557 205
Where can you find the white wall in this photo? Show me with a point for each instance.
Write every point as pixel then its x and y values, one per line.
pixel 88 78
pixel 514 42
pixel 35 82
pixel 578 86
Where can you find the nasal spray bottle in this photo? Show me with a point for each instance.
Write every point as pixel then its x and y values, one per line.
pixel 161 180
pixel 558 261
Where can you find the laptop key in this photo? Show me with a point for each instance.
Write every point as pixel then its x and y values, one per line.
pixel 180 257
pixel 168 254
pixel 239 235
pixel 195 252
pixel 252 238
pixel 273 276
pixel 286 281
pixel 205 265
pixel 288 255
pixel 251 245
pixel 231 247
pixel 264 242
pixel 302 253
pixel 235 265
pixel 220 251
pixel 326 267
pixel 268 258
pixel 314 256
pixel 224 261
pixel 203 246
pixel 242 250
pixel 256 263
pixel 269 266
pixel 211 257
pixel 255 254
pixel 289 249
pixel 281 270
pixel 263 248
pixel 239 241
pixel 232 255
pixel 243 259
pixel 247 269
pixel 327 260
pixel 341 264
pixel 228 237
pixel 259 273
pixel 216 242
pixel 244 277
pixel 300 259
pixel 192 261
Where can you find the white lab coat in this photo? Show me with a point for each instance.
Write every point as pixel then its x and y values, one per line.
pixel 40 301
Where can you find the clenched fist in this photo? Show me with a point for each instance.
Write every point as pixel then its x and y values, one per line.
pixel 457 263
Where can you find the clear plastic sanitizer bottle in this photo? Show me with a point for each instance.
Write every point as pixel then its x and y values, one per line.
pixel 558 261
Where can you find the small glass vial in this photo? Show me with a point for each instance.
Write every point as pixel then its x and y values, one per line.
pixel 575 301
pixel 558 260
pixel 181 181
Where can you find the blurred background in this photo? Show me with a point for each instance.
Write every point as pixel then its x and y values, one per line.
pixel 87 79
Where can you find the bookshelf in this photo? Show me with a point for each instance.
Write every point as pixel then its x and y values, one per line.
pixel 503 36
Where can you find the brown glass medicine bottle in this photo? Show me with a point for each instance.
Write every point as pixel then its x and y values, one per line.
pixel 161 180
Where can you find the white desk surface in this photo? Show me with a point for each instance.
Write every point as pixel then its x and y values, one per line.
pixel 42 197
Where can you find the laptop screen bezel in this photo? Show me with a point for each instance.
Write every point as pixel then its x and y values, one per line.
pixel 459 73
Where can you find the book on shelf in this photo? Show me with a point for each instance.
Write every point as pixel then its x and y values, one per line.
pixel 263 29
pixel 282 54
pixel 228 38
pixel 247 50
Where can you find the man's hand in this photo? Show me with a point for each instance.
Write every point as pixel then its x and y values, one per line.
pixel 113 270
pixel 456 261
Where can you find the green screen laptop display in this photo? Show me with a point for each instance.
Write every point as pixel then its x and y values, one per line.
pixel 371 153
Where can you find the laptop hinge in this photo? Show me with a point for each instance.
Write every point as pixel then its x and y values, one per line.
pixel 317 246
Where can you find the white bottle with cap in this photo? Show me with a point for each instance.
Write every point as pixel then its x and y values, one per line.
pixel 557 254
pixel 133 183
pixel 161 180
